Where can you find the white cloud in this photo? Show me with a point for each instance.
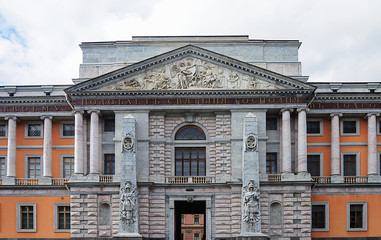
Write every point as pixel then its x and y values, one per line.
pixel 340 38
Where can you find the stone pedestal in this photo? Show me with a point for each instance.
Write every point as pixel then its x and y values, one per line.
pixel 9 181
pixel 46 181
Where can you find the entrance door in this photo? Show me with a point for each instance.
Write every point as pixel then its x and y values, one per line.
pixel 189 220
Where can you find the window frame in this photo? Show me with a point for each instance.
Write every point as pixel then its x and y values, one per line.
pixel 364 216
pixel 379 163
pixel 276 162
pixel 62 123
pixel 276 123
pixel 190 143
pixel 26 129
pixel 321 126
pixel 357 162
pixel 6 129
pixel 26 165
pixel 19 217
pixel 5 166
pixel 56 217
pixel 104 125
pixel 62 164
pixel 342 120
pixel 194 219
pixel 378 122
pixel 321 163
pixel 104 163
pixel 326 207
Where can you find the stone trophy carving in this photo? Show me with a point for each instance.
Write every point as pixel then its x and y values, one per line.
pixel 251 142
pixel 190 73
pixel 128 200
pixel 128 142
pixel 251 213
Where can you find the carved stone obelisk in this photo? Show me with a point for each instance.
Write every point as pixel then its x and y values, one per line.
pixel 251 212
pixel 129 209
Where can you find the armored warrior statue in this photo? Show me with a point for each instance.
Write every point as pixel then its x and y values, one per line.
pixel 252 212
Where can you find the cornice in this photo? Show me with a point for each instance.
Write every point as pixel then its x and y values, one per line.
pixel 347 97
pixel 192 93
pixel 36 100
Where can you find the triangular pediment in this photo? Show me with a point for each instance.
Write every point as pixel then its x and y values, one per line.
pixel 190 68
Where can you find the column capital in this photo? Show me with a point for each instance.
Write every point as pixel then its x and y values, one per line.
pixel 46 116
pixel 287 109
pixel 372 114
pixel 78 111
pixel 306 109
pixel 336 114
pixel 10 117
pixel 94 111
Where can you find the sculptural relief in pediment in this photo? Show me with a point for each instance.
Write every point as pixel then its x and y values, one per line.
pixel 190 73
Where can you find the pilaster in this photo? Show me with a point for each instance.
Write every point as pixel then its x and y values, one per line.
pixel 47 151
pixel 11 154
pixel 335 144
pixel 372 143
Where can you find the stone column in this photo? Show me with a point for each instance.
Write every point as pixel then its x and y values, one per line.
pixel 11 154
pixel 286 140
pixel 335 144
pixel 94 142
pixel 302 140
pixel 79 143
pixel 372 143
pixel 129 209
pixel 47 152
pixel 251 216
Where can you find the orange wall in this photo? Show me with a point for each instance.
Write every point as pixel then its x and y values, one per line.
pixel 326 138
pixel 338 215
pixel 45 217
pixel 56 153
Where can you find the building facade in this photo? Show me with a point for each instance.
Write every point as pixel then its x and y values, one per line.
pixel 225 128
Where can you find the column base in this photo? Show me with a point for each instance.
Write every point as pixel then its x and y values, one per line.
pixel 129 236
pixel 337 179
pixel 45 181
pixel 9 181
pixel 374 178
pixel 92 177
pixel 77 177
pixel 252 236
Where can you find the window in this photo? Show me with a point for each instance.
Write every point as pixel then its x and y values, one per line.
pixel 34 167
pixel 190 133
pixel 196 219
pixel 68 130
pixel 356 216
pixel 190 161
pixel 61 217
pixel 349 165
pixel 3 167
pixel 182 219
pixel 319 215
pixel 3 130
pixel 271 163
pixel 26 217
pixel 109 125
pixel 314 127
pixel 271 123
pixel 313 164
pixel 109 164
pixel 350 127
pixel 68 167
pixel 379 126
pixel 196 236
pixel 34 130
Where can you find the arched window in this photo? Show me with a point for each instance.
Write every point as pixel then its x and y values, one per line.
pixel 190 161
pixel 190 133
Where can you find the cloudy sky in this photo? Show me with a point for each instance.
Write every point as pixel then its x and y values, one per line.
pixel 39 38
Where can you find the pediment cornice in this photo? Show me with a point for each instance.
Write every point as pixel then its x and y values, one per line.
pixel 267 80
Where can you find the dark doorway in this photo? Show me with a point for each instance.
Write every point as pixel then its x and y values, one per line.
pixel 189 211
